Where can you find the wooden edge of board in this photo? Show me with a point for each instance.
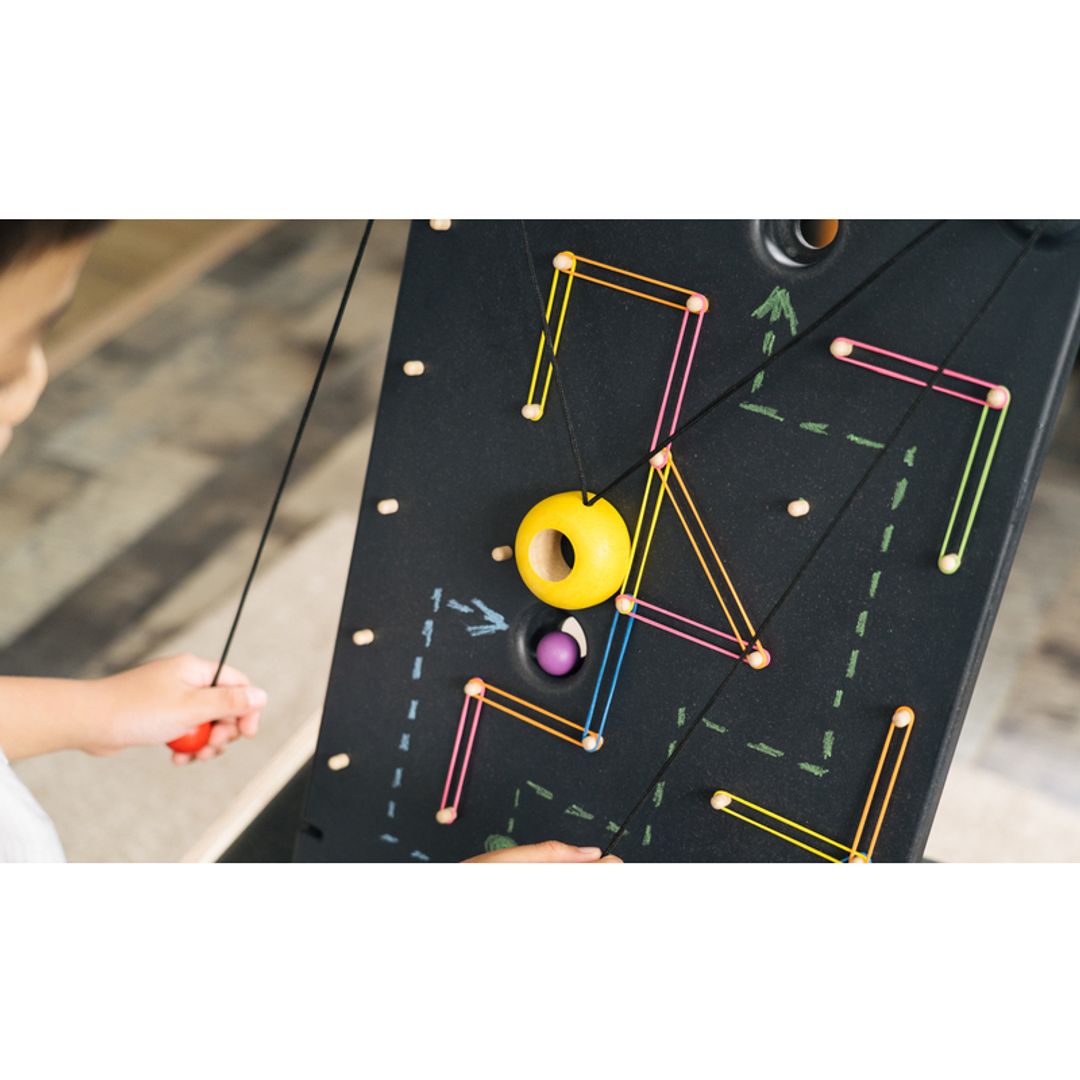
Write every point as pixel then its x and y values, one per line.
pixel 256 795
pixel 70 349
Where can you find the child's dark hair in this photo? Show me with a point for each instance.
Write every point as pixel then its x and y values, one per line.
pixel 22 240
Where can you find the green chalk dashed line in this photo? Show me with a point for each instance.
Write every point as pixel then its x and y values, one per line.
pixel 682 716
pixel 646 840
pixel 814 427
pixel 858 440
pixel 671 747
pixel 767 343
pixel 658 793
pixel 517 798
pixel 510 827
pixel 852 660
pixel 764 748
pixel 713 726
pixel 761 410
pixel 579 812
pixel 612 827
pixel 899 492
pixel 541 791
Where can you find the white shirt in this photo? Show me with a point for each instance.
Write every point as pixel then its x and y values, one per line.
pixel 27 833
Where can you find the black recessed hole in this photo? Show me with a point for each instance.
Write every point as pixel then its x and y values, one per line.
pixel 530 627
pixel 817 234
pixel 800 243
pixel 572 627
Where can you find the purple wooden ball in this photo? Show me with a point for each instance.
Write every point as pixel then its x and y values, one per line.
pixel 557 653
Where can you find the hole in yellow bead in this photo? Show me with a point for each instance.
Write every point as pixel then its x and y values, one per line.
pixel 546 555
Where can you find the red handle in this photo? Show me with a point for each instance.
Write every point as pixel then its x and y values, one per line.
pixel 193 741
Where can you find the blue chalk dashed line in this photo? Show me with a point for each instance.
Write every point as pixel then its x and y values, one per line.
pixel 427 632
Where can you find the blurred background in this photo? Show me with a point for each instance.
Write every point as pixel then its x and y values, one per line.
pixel 132 500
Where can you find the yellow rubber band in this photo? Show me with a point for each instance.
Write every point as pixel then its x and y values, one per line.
pixel 701 559
pixel 775 832
pixel 716 556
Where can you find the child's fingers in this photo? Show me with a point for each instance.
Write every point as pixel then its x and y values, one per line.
pixel 225 702
pixel 249 725
pixel 223 732
pixel 181 759
pixel 550 851
pixel 231 677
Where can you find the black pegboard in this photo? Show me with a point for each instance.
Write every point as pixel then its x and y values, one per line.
pixel 453 449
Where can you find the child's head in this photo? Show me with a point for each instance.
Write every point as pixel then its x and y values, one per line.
pixel 39 265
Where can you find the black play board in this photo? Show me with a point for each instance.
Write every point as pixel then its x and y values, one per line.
pixel 800 738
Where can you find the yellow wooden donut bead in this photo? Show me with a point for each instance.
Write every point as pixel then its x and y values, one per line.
pixel 601 545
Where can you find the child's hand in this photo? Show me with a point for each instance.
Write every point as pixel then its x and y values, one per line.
pixel 164 699
pixel 550 851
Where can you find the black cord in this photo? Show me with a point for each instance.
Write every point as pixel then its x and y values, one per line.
pixel 761 368
pixel 575 449
pixel 916 401
pixel 295 445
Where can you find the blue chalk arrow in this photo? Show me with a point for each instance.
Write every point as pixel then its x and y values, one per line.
pixel 493 622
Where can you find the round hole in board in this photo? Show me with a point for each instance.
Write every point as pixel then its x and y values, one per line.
pixel 572 627
pixel 800 243
pixel 548 555
pixel 817 234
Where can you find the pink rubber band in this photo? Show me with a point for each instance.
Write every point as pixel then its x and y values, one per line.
pixel 468 750
pixel 687 637
pixel 670 379
pixel 686 375
pixel 454 752
pixel 916 382
pixel 919 363
pixel 683 618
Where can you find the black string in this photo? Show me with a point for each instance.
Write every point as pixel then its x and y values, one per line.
pixel 575 449
pixel 295 445
pixel 916 401
pixel 761 368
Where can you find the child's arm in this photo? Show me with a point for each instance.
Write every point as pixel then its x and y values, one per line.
pixel 147 706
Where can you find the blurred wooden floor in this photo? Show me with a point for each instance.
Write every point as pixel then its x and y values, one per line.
pixel 133 266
